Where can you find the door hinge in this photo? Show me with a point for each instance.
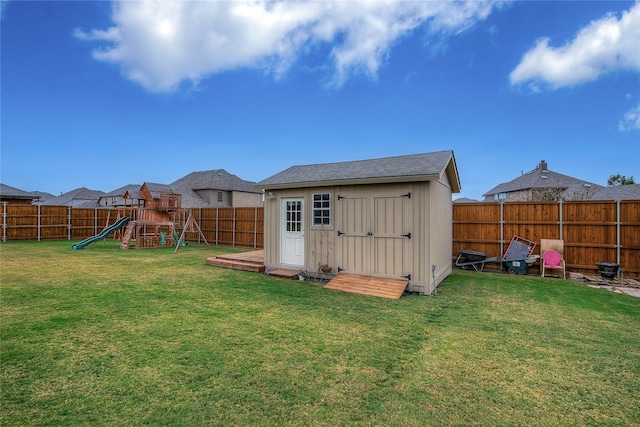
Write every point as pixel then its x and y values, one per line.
pixel 340 233
pixel 407 235
pixel 340 197
pixel 408 195
pixel 369 234
pixel 408 277
pixel 340 269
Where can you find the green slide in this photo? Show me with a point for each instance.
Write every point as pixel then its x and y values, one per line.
pixel 104 233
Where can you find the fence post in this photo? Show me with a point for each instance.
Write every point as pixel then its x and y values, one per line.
pixel 501 228
pixel 39 222
pixel 217 224
pixel 561 225
pixel 255 228
pixel 233 232
pixel 4 221
pixel 618 242
pixel 69 223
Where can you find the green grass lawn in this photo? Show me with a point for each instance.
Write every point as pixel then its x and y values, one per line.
pixel 104 336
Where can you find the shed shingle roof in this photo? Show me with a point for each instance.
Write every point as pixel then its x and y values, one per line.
pixel 416 167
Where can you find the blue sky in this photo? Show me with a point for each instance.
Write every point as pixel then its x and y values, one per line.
pixel 104 94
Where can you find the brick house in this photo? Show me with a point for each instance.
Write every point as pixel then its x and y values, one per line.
pixel 542 184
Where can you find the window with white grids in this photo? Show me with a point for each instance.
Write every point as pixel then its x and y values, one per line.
pixel 322 210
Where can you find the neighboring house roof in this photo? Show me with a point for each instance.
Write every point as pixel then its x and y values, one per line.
pixel 89 204
pixel 540 178
pixel 77 194
pixel 41 195
pixel 410 168
pixel 8 192
pixel 218 179
pixel 154 186
pixel 123 190
pixel 618 192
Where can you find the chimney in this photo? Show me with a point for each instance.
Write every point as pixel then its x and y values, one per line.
pixel 543 165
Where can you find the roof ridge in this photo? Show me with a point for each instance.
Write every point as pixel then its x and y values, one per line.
pixel 374 159
pixel 405 168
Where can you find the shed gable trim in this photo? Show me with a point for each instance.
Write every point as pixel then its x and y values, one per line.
pixel 344 182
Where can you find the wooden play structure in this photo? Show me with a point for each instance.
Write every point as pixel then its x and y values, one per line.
pixel 160 223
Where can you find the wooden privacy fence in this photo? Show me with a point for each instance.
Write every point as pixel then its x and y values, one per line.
pixel 221 226
pixel 593 231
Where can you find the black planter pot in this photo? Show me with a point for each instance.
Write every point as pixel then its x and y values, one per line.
pixel 608 270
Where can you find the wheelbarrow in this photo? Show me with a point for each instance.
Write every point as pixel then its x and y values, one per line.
pixel 518 256
pixel 477 260
pixel 516 259
pixel 519 266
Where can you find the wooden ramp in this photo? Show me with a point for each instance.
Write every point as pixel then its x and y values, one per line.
pixel 247 261
pixel 367 285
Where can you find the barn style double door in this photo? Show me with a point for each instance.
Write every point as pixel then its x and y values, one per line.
pixel 374 234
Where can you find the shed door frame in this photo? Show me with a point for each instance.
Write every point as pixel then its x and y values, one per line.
pixel 392 224
pixel 374 233
pixel 292 232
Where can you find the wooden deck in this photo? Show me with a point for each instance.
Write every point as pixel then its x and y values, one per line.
pixel 366 285
pixel 247 261
pixel 353 283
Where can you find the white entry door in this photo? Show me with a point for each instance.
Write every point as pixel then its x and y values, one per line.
pixel 292 233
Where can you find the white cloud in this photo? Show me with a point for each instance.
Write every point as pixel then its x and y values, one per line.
pixel 631 120
pixel 606 45
pixel 160 44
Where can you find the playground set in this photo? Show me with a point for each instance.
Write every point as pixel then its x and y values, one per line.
pixel 161 223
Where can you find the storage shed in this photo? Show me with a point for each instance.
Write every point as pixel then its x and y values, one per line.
pixel 387 218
